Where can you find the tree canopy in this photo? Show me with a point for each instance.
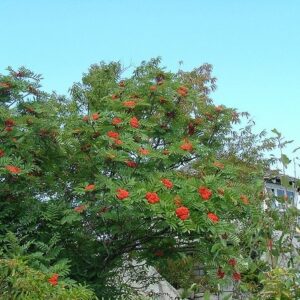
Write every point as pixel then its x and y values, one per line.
pixel 144 167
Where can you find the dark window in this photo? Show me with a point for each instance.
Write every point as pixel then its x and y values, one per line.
pixel 280 193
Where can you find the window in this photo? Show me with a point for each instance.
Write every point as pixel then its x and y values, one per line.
pixel 280 193
pixel 291 195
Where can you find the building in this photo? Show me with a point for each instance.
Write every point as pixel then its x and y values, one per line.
pixel 283 186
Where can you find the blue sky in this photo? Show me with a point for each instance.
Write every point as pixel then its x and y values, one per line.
pixel 253 45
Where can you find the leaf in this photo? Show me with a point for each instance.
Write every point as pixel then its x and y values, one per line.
pixel 296 149
pixel 71 218
pixel 215 247
pixel 285 160
pixel 285 181
pixel 287 142
pixel 206 295
pixel 276 132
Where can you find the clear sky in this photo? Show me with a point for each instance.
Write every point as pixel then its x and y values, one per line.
pixel 254 46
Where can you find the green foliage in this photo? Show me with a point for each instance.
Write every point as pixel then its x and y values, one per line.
pixel 25 274
pixel 19 281
pixel 63 161
pixel 280 283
